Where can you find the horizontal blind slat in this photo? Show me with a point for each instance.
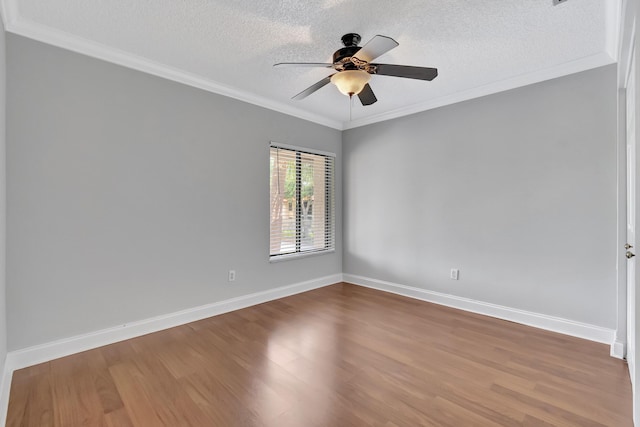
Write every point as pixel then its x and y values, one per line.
pixel 307 225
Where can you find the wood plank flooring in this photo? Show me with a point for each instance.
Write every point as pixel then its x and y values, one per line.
pixel 337 356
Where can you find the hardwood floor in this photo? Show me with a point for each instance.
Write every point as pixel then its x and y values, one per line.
pixel 337 356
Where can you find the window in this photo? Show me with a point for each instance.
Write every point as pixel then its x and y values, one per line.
pixel 302 201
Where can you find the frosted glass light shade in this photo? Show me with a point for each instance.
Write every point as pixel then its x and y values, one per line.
pixel 350 82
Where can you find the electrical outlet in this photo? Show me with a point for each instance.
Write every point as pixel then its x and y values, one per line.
pixel 232 275
pixel 455 273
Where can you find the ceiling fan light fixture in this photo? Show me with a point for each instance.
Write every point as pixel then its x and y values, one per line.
pixel 350 82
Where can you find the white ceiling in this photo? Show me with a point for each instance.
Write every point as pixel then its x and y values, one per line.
pixel 229 46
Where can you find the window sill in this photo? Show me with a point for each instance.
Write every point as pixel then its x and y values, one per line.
pixel 280 258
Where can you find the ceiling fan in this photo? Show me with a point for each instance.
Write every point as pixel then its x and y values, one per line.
pixel 354 68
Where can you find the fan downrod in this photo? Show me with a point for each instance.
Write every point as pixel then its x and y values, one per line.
pixel 351 39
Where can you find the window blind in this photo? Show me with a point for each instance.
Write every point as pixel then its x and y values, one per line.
pixel 302 214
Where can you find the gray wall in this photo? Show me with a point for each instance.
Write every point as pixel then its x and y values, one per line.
pixel 3 198
pixel 130 196
pixel 516 189
pixel 126 198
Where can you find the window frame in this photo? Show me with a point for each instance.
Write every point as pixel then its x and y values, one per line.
pixel 330 204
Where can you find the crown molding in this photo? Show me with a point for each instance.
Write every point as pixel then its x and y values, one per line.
pixel 93 49
pixel 561 70
pixel 17 25
pixel 9 11
pixel 613 21
pixel 626 37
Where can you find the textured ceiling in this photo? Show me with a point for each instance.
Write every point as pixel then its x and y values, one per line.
pixel 229 46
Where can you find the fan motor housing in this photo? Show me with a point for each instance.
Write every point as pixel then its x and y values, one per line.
pixel 345 52
pixel 350 42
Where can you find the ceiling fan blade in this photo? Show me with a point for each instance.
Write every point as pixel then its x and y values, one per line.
pixel 375 47
pixel 366 95
pixel 303 64
pixel 406 71
pixel 308 91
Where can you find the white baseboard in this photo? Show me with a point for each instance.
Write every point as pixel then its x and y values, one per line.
pixel 5 387
pixel 45 352
pixel 617 349
pixel 542 321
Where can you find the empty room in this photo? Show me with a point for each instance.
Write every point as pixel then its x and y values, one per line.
pixel 323 213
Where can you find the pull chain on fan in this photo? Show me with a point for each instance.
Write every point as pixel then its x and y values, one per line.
pixel 350 106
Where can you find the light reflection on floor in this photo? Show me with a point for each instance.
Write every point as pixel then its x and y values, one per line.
pixel 293 355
